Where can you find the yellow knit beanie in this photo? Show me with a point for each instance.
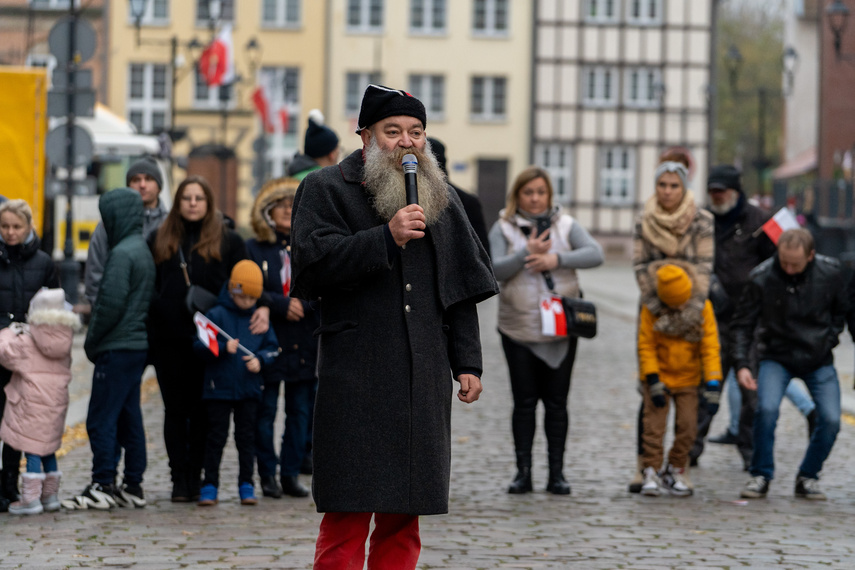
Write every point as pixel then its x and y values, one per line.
pixel 246 279
pixel 673 285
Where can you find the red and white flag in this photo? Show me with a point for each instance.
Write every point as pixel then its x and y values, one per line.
pixel 285 273
pixel 261 101
pixel 217 63
pixel 274 116
pixel 552 316
pixel 779 223
pixel 207 332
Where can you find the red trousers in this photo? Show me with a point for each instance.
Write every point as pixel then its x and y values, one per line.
pixel 395 542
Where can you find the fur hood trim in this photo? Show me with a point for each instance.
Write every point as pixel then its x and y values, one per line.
pixel 55 317
pixel 272 192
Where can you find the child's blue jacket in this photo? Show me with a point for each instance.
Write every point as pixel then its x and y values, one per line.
pixel 226 376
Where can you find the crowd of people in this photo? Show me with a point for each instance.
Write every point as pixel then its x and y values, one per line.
pixel 341 257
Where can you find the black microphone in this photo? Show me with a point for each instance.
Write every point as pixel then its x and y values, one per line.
pixel 410 164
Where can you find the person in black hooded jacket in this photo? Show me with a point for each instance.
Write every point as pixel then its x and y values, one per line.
pixel 24 269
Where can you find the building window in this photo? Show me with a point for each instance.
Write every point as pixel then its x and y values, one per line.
pixel 430 90
pixel 427 16
pixel 601 11
pixel 644 12
pixel 280 13
pixel 203 11
pixel 489 98
pixel 156 13
pixel 643 88
pixel 355 85
pixel 148 97
pixel 365 16
pixel 52 4
pixel 556 159
pixel 617 176
pixel 490 17
pixel 599 85
pixel 211 97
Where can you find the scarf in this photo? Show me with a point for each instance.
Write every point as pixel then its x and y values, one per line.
pixel 665 230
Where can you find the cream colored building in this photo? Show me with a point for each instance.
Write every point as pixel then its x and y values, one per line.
pixel 616 83
pixel 468 61
pixel 291 37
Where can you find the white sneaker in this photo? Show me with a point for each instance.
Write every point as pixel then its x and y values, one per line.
pixel 94 496
pixel 674 479
pixel 650 487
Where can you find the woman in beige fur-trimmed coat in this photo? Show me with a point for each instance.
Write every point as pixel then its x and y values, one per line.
pixel 39 356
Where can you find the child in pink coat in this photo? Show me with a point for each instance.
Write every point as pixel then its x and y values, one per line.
pixel 39 356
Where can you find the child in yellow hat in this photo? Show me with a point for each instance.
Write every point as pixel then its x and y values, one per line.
pixel 233 382
pixel 674 356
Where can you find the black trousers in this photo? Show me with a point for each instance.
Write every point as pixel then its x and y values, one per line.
pixel 533 380
pixel 180 375
pixel 219 419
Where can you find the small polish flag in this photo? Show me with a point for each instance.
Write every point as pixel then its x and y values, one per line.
pixel 285 273
pixel 207 332
pixel 217 63
pixel 779 223
pixel 553 319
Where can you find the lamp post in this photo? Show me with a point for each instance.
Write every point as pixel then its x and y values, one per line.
pixel 837 14
pixel 733 62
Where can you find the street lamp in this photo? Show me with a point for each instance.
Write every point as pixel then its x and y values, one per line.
pixel 838 16
pixel 733 61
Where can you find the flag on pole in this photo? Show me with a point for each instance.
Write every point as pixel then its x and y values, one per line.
pixel 261 101
pixel 207 332
pixel 285 273
pixel 274 115
pixel 217 63
pixel 782 221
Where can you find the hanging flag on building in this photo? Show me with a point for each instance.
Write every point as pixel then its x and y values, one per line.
pixel 217 63
pixel 779 223
pixel 274 116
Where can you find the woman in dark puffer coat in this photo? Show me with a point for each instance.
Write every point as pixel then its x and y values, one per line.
pixel 294 322
pixel 24 269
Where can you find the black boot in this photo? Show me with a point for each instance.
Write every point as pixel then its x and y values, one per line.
pixel 270 487
pixel 292 487
pixel 9 484
pixel 555 424
pixel 557 484
pixel 4 504
pixel 180 493
pixel 522 482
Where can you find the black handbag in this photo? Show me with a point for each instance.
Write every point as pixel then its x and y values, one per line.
pixel 581 315
pixel 198 298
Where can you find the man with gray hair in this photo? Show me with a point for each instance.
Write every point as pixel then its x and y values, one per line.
pixel 398 284
pixel 795 304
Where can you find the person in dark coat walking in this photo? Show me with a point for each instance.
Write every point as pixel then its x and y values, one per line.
pixel 398 286
pixel 793 307
pixel 294 322
pixel 24 269
pixel 740 246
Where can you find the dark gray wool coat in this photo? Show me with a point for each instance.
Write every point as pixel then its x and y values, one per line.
pixel 391 335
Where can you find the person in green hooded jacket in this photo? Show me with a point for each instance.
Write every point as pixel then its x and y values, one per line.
pixel 117 342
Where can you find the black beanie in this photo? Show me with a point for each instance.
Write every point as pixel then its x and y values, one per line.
pixel 438 150
pixel 145 166
pixel 723 177
pixel 320 139
pixel 380 102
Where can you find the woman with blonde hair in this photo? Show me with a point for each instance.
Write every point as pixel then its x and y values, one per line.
pixel 536 251
pixel 194 244
pixel 294 322
pixel 24 270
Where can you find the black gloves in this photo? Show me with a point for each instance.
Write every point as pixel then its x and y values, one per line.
pixel 657 390
pixel 712 394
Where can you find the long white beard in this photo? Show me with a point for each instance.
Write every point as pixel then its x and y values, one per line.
pixel 727 206
pixel 384 180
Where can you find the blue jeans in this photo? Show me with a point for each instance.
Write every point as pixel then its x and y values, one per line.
pixel 35 462
pixel 795 394
pixel 772 382
pixel 299 401
pixel 115 418
pixel 265 451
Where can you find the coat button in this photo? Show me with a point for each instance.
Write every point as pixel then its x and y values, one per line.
pixel 302 361
pixel 296 346
pixel 404 246
pixel 406 308
pixel 408 287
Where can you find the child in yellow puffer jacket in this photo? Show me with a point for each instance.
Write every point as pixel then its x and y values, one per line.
pixel 673 355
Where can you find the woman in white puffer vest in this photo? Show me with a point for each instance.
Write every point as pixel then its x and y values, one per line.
pixel 39 356
pixel 539 365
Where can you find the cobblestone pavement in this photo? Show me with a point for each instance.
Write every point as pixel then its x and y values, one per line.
pixel 599 526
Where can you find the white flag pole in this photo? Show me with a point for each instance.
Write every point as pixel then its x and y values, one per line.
pixel 222 332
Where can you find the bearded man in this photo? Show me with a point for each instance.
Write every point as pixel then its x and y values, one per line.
pixel 398 286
